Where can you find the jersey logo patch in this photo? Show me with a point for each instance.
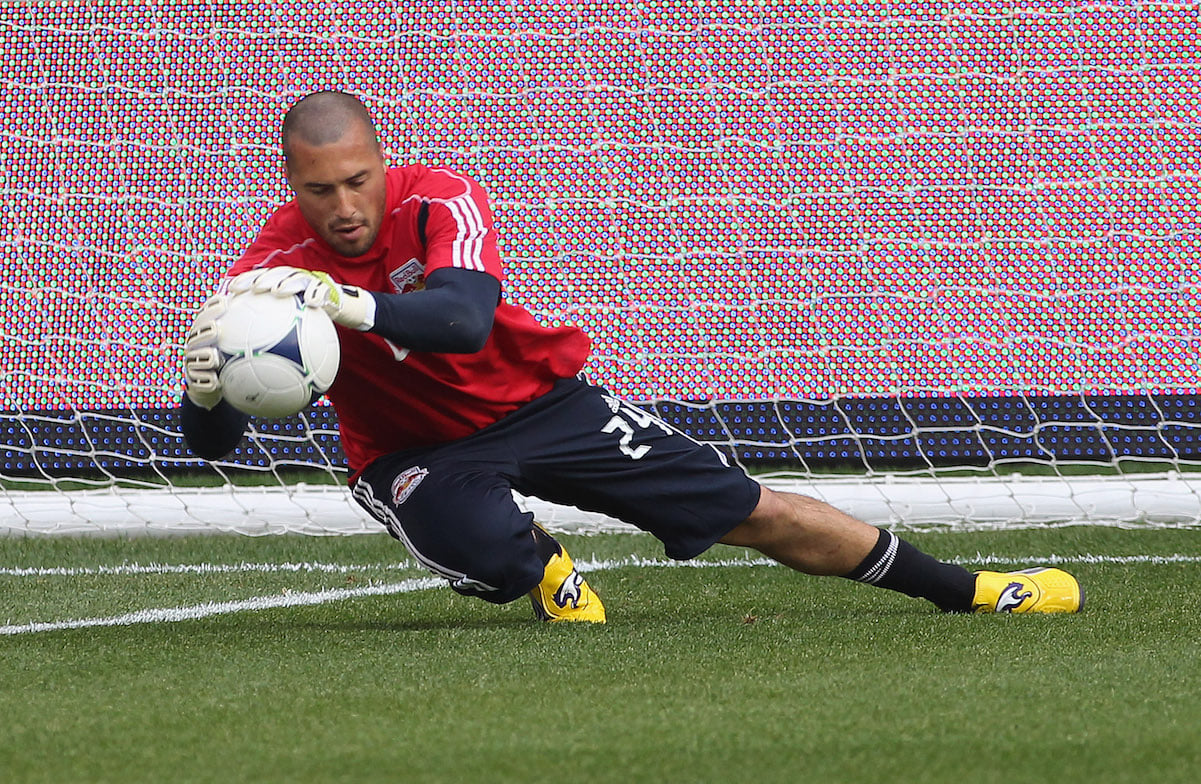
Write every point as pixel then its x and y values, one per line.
pixel 404 485
pixel 408 277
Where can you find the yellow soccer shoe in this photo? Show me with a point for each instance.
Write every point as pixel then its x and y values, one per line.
pixel 1041 590
pixel 563 595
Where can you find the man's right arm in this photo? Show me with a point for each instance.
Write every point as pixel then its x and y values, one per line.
pixel 211 427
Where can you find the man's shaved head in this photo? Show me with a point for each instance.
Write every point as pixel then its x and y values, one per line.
pixel 322 118
pixel 336 170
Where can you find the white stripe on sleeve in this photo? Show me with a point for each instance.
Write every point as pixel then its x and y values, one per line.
pixel 467 250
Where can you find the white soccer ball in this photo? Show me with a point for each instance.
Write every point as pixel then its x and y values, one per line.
pixel 280 356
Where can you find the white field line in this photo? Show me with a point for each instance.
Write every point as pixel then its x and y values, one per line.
pixel 196 611
pixel 200 568
pixel 300 598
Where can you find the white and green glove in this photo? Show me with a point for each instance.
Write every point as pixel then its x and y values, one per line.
pixel 349 306
pixel 201 359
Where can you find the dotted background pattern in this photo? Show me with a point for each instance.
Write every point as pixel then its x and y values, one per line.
pixel 738 201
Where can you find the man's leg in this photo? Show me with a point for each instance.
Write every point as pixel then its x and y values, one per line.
pixel 590 450
pixel 805 534
pixel 815 538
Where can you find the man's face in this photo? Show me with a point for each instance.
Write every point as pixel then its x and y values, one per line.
pixel 340 188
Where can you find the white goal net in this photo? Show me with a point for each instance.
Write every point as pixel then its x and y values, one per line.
pixel 934 262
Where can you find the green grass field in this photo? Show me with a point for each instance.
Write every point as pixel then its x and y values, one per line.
pixel 728 673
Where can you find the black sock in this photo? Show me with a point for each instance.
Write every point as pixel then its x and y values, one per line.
pixel 899 566
pixel 548 548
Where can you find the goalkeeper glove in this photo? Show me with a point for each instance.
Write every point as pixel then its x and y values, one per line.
pixel 350 306
pixel 201 359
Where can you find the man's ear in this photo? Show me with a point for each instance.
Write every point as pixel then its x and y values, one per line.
pixel 286 166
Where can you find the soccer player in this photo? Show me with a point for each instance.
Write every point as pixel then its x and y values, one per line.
pixel 449 398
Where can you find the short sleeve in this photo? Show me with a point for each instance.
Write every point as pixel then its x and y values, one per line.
pixel 458 229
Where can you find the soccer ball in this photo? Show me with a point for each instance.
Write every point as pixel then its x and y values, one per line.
pixel 280 356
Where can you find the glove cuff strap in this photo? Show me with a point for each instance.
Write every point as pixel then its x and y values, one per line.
pixel 368 310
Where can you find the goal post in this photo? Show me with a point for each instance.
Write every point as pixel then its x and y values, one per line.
pixel 936 263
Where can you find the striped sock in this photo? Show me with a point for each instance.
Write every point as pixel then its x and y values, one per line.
pixel 899 566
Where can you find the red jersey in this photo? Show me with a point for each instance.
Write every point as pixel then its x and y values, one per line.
pixel 387 397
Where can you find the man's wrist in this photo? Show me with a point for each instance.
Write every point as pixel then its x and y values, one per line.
pixel 207 400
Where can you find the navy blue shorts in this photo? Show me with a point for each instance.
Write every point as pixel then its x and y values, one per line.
pixel 452 504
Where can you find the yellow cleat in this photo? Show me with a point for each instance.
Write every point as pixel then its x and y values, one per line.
pixel 564 596
pixel 1027 591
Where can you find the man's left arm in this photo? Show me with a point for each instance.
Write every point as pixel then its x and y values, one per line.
pixel 453 314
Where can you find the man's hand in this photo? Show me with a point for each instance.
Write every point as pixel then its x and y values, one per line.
pixel 201 359
pixel 349 306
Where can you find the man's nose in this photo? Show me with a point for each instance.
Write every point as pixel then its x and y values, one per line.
pixel 343 203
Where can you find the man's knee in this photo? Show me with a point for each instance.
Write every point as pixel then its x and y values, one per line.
pixel 478 541
pixel 501 583
pixel 494 559
pixel 497 569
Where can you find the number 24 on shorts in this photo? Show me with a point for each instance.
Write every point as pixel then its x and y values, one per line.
pixel 624 422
